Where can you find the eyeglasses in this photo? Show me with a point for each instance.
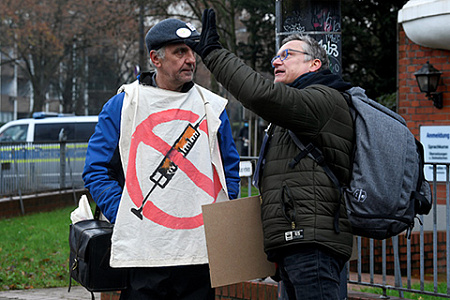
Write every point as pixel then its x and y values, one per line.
pixel 285 54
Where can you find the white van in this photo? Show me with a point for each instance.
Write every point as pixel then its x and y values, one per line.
pixel 31 157
pixel 48 128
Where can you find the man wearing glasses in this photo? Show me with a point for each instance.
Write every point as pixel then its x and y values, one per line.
pixel 305 225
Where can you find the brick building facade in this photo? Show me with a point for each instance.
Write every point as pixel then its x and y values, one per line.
pixel 413 105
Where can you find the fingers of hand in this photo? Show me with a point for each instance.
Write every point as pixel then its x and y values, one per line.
pixel 205 20
pixel 212 18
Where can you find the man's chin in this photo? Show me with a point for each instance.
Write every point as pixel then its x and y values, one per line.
pixel 278 79
pixel 187 74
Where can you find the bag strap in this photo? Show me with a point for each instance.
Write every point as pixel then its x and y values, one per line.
pixel 315 153
pixel 97 213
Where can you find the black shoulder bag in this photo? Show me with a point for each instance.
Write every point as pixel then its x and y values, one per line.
pixel 90 250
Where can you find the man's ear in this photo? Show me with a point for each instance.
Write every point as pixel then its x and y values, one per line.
pixel 154 57
pixel 315 65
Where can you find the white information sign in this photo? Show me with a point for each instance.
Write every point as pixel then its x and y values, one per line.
pixel 245 169
pixel 436 144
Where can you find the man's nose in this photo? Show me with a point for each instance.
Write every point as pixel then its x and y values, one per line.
pixel 190 56
pixel 276 62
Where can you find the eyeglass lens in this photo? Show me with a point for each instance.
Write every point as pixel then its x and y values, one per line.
pixel 283 55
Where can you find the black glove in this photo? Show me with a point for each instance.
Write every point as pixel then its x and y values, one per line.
pixel 209 39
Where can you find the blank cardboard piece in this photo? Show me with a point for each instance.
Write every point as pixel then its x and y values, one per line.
pixel 234 239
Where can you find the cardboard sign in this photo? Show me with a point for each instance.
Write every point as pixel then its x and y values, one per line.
pixel 234 239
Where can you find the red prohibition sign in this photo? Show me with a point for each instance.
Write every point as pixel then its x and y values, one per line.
pixel 144 134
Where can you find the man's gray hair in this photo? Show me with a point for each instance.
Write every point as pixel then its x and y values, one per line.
pixel 161 52
pixel 312 47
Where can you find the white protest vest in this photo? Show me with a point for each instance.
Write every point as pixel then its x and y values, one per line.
pixel 172 164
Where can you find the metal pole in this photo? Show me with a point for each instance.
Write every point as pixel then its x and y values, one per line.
pixel 18 181
pixel 62 158
pixel 383 253
pixel 71 181
pixel 408 262
pixel 447 240
pixel 277 24
pixel 372 261
pixel 141 36
pixel 320 19
pixel 435 264
pixel 397 269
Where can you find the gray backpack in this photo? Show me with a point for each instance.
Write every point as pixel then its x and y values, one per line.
pixel 387 187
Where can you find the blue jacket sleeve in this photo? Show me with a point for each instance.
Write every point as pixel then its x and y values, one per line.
pixel 103 175
pixel 230 156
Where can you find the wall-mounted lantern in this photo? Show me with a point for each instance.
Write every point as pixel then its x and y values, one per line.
pixel 428 81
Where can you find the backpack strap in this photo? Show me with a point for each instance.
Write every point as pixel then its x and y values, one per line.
pixel 262 153
pixel 348 98
pixel 315 153
pixel 421 204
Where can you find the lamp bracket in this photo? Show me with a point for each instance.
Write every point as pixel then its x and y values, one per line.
pixel 437 99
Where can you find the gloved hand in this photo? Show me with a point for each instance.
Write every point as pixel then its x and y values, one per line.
pixel 209 39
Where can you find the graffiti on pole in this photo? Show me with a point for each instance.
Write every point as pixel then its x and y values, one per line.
pixel 327 21
pixel 320 19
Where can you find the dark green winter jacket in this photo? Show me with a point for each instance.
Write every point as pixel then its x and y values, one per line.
pixel 300 204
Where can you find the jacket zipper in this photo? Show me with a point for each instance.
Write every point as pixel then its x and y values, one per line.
pixel 288 206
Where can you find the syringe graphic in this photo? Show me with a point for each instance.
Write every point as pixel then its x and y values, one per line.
pixel 167 168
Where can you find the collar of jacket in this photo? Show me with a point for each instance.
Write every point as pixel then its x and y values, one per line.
pixel 324 77
pixel 147 78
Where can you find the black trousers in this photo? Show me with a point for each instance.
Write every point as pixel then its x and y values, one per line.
pixel 169 283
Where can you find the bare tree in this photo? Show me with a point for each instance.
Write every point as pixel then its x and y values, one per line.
pixel 50 36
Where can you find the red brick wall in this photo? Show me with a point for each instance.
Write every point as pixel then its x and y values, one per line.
pixel 40 202
pixel 247 291
pixel 413 105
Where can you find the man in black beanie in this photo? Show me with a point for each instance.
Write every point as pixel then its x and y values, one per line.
pixel 162 148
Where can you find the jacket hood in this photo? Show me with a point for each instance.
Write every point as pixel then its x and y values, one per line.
pixel 324 77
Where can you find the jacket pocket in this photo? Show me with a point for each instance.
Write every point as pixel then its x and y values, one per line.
pixel 287 205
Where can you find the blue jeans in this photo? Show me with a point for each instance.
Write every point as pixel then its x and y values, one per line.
pixel 311 274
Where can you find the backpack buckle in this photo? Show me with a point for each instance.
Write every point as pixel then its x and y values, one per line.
pixel 317 154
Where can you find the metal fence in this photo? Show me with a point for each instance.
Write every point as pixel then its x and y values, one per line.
pixel 420 264
pixel 29 168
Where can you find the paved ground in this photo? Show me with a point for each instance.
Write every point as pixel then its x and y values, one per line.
pixel 76 293
pixel 80 293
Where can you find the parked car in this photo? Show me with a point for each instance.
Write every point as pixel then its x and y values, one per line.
pixel 42 128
